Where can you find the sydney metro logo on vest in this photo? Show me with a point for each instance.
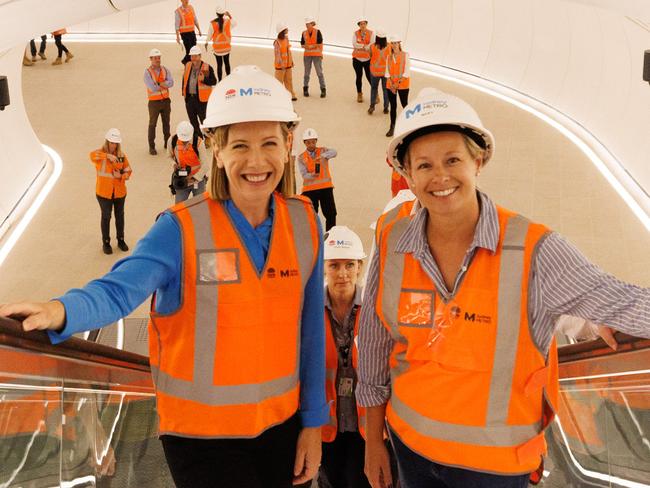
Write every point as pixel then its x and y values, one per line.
pixel 284 273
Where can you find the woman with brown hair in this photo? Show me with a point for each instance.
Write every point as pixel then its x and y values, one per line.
pixel 283 60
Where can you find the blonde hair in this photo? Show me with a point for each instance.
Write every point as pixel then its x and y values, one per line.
pixel 118 149
pixel 219 189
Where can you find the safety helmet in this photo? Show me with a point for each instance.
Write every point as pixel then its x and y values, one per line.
pixel 221 10
pixel 342 243
pixel 154 52
pixel 114 135
pixel 309 134
pixel 309 20
pixel 380 33
pixel 280 26
pixel 184 131
pixel 394 38
pixel 194 50
pixel 436 111
pixel 248 94
pixel 361 19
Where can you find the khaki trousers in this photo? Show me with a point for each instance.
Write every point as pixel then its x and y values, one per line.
pixel 285 76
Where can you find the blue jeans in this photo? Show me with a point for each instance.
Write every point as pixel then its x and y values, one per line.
pixel 184 194
pixel 317 62
pixel 374 87
pixel 416 471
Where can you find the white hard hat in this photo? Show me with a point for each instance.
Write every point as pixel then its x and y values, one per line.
pixel 309 134
pixel 221 9
pixel 248 94
pixel 309 20
pixel 380 33
pixel 361 19
pixel 432 111
pixel 184 131
pixel 394 38
pixel 154 52
pixel 195 50
pixel 114 135
pixel 342 243
pixel 280 26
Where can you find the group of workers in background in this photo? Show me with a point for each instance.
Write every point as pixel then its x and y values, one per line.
pixel 61 49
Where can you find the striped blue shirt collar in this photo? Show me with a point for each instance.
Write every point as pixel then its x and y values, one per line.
pixel 486 234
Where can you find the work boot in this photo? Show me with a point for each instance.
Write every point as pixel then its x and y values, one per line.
pixel 385 110
pixel 34 59
pixel 165 143
pixel 390 131
pixel 294 98
pixel 371 109
pixel 323 92
pixel 27 61
pixel 360 97
pixel 68 56
pixel 106 247
pixel 305 91
pixel 377 99
pixel 57 61
pixel 122 245
pixel 152 151
pixel 42 55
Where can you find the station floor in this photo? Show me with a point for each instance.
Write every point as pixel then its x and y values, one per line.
pixel 535 171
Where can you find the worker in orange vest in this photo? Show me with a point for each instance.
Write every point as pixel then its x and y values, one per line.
pixel 198 80
pixel 58 35
pixel 312 42
pixel 113 169
pixel 158 81
pixel 220 34
pixel 188 175
pixel 456 347
pixel 237 338
pixel 397 180
pixel 379 52
pixel 185 20
pixel 362 39
pixel 398 79
pixel 314 166
pixel 283 61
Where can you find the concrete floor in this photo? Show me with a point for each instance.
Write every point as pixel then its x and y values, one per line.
pixel 535 171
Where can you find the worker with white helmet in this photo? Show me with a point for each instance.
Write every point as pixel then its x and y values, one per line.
pixel 379 52
pixel 220 33
pixel 398 78
pixel 158 81
pixel 314 166
pixel 185 19
pixel 343 444
pixel 189 174
pixel 312 42
pixel 456 347
pixel 237 346
pixel 198 80
pixel 362 39
pixel 283 60
pixel 113 169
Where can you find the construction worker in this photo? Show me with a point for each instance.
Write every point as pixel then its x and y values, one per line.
pixel 113 169
pixel 188 175
pixel 314 166
pixel 58 35
pixel 198 80
pixel 397 180
pixel 220 34
pixel 398 79
pixel 158 81
pixel 379 52
pixel 283 62
pixel 237 346
pixel 185 20
pixel 456 347
pixel 362 38
pixel 343 444
pixel 312 42
pixel 41 48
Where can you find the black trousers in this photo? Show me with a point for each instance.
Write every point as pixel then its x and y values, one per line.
pixel 164 109
pixel 222 61
pixel 41 48
pixel 359 68
pixel 392 100
pixel 189 40
pixel 325 198
pixel 342 462
pixel 107 205
pixel 265 461
pixel 59 45
pixel 195 111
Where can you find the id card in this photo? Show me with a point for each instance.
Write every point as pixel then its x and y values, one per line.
pixel 196 185
pixel 345 387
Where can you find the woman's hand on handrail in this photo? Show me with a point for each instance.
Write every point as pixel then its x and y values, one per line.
pixel 36 316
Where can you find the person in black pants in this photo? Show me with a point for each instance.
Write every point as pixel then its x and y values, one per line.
pixel 220 33
pixel 184 21
pixel 61 48
pixel 41 48
pixel 398 79
pixel 198 80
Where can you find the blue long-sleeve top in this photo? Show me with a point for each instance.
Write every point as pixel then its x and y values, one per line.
pixel 155 265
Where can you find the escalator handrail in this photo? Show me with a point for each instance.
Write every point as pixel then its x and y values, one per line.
pixel 13 335
pixel 598 348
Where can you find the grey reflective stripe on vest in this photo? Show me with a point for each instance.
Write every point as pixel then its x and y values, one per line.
pixel 102 171
pixel 496 432
pixel 201 389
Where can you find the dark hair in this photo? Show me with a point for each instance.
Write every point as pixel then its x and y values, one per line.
pixel 219 20
pixel 283 34
pixel 381 42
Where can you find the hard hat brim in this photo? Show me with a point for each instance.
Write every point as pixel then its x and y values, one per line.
pixel 220 121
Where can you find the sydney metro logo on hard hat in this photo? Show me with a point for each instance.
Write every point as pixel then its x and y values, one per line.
pixel 340 243
pixel 426 108
pixel 230 93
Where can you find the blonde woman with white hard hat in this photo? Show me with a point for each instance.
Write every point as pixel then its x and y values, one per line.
pixel 283 60
pixel 362 39
pixel 456 341
pixel 398 78
pixel 220 33
pixel 236 332
pixel 158 80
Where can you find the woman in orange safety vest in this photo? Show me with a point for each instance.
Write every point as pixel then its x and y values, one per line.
pixel 220 33
pixel 58 35
pixel 456 348
pixel 379 53
pixel 236 331
pixel 113 169
pixel 398 79
pixel 283 61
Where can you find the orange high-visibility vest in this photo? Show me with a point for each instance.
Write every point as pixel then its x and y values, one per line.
pixel 186 156
pixel 187 19
pixel 161 93
pixel 396 67
pixel 330 430
pixel 226 362
pixel 378 58
pixel 283 58
pixel 60 32
pixel 311 47
pixel 107 185
pixel 203 89
pixel 221 40
pixel 481 396
pixel 362 38
pixel 323 179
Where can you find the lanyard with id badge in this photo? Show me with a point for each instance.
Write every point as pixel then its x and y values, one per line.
pixel 345 375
